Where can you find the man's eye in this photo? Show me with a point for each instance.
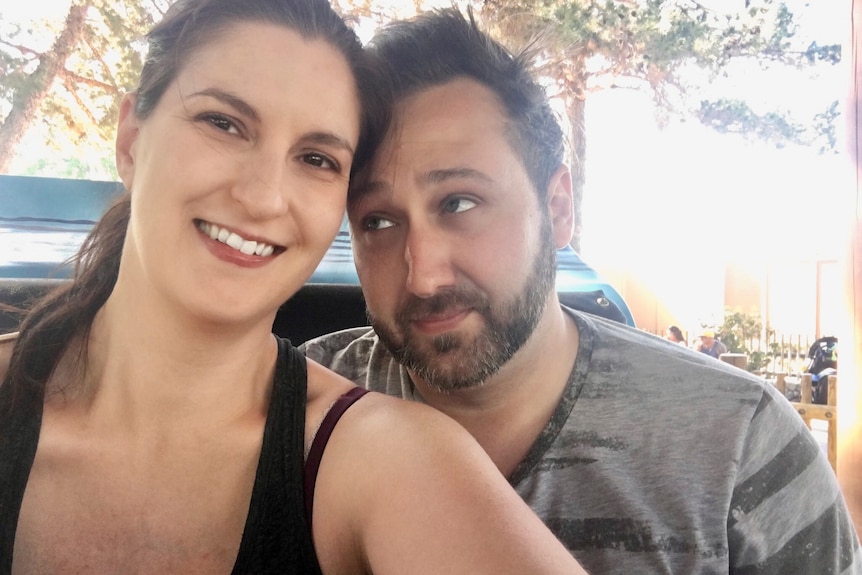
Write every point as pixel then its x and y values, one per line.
pixel 319 160
pixel 456 205
pixel 374 223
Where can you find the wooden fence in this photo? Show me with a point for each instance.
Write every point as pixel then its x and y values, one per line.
pixel 777 353
pixel 813 412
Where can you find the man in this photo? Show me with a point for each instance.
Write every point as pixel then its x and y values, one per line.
pixel 709 345
pixel 643 457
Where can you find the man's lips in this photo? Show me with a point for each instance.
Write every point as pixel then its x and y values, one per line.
pixel 438 323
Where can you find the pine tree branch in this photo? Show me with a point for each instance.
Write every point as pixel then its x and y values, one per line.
pixel 68 75
pixel 98 56
pixel 23 49
pixel 70 87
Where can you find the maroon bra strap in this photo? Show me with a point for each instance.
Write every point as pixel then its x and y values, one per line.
pixel 315 454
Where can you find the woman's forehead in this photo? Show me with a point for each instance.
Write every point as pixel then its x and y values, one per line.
pixel 276 69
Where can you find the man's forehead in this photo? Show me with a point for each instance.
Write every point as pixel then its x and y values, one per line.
pixel 447 131
pixel 457 97
pixel 461 113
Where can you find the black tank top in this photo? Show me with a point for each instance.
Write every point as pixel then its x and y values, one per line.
pixel 277 534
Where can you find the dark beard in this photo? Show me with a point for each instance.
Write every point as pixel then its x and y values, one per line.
pixel 453 363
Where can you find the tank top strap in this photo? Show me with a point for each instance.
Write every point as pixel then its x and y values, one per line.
pixel 315 454
pixel 277 533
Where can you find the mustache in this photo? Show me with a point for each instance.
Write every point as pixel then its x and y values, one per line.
pixel 417 308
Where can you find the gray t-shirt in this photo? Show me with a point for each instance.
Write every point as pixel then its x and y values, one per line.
pixel 659 459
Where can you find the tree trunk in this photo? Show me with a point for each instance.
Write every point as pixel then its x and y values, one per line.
pixel 575 108
pixel 28 98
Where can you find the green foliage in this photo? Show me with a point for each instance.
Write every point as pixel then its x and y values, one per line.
pixel 738 332
pixel 652 41
pixel 737 117
pixel 83 102
pixel 74 168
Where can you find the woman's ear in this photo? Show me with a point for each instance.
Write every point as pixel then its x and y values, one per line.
pixel 560 206
pixel 128 127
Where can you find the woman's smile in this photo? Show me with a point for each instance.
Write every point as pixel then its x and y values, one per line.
pixel 230 246
pixel 236 241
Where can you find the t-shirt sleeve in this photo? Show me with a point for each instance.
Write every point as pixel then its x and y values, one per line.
pixel 344 352
pixel 787 513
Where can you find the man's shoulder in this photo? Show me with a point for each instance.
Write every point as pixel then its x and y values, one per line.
pixel 625 352
pixel 354 340
pixel 354 353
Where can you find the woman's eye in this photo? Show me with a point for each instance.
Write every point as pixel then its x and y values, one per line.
pixel 456 205
pixel 222 123
pixel 319 160
pixel 374 223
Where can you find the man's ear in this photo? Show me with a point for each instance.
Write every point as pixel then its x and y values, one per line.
pixel 561 207
pixel 128 127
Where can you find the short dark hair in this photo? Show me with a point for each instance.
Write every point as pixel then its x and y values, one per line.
pixel 442 45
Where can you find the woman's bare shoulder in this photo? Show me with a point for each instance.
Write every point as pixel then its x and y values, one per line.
pixel 390 461
pixel 377 415
pixel 7 342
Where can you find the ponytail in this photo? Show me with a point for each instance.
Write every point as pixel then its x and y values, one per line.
pixel 68 311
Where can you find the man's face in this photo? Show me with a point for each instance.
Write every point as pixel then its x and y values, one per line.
pixel 455 252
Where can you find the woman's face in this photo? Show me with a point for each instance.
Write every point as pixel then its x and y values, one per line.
pixel 239 176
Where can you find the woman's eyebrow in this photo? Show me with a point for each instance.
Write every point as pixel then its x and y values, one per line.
pixel 231 100
pixel 246 109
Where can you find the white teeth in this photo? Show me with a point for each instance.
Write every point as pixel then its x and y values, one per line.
pixel 237 242
pixel 234 241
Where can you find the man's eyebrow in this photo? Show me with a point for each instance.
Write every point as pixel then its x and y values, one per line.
pixel 440 176
pixel 359 191
pixel 231 100
pixel 365 189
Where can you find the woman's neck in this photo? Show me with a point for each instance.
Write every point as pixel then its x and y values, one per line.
pixel 153 365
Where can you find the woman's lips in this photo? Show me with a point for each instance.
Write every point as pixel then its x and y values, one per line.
pixel 235 240
pixel 231 247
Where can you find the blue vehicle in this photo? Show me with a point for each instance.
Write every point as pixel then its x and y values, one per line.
pixel 43 222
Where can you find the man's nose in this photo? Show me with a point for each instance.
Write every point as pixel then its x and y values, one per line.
pixel 428 254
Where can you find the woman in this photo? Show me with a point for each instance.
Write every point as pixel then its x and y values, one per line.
pixel 674 334
pixel 152 423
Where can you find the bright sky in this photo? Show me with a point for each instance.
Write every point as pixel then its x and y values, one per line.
pixel 27 13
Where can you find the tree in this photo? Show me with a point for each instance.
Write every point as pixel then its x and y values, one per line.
pixel 590 45
pixel 738 332
pixel 33 88
pixel 75 86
